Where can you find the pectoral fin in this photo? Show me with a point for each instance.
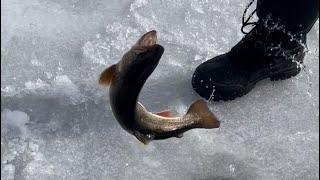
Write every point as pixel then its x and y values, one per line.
pixel 141 105
pixel 107 75
pixel 145 139
pixel 179 135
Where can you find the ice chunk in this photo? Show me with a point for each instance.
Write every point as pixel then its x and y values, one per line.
pixel 198 57
pixel 8 91
pixel 39 84
pixel 8 172
pixel 15 119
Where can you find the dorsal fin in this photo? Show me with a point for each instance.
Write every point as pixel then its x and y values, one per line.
pixel 107 75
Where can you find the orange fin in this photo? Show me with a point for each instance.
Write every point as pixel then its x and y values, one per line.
pixel 107 75
pixel 164 113
pixel 208 120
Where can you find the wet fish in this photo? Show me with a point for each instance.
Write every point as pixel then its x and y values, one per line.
pixel 126 79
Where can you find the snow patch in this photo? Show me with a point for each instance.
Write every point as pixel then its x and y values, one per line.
pixel 15 119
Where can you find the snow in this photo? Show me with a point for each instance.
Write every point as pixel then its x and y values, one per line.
pixel 15 119
pixel 57 123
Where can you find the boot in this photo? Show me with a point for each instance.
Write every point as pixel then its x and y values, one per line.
pixel 267 51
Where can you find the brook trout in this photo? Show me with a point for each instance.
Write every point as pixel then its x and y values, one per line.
pixel 126 79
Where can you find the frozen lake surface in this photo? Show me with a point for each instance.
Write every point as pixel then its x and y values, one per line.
pixel 56 121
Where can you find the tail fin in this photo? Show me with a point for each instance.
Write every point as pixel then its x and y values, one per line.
pixel 207 118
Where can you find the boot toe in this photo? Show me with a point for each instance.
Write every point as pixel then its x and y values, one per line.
pixel 218 79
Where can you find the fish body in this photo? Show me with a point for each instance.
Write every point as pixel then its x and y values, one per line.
pixel 126 79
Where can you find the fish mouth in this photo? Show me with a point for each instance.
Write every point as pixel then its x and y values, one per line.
pixel 147 40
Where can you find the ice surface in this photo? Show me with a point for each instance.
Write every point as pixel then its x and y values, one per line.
pixel 56 120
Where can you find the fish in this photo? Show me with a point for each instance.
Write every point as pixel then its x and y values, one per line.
pixel 125 80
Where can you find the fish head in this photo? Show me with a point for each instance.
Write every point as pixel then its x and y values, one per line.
pixel 147 47
pixel 143 56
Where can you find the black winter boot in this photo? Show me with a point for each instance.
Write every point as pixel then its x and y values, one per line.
pixel 267 51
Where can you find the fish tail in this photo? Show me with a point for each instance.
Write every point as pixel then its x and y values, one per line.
pixel 206 118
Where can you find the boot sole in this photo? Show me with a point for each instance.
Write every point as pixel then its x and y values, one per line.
pixel 232 93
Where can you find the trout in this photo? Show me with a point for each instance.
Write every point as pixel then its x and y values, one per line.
pixel 126 79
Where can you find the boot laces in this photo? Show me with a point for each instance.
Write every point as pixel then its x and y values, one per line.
pixel 246 22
